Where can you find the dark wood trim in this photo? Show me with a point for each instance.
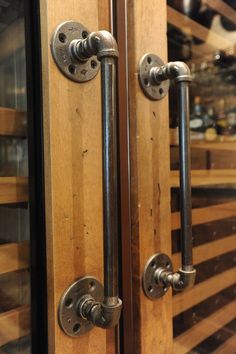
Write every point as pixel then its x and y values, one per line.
pixel 38 270
pixel 119 26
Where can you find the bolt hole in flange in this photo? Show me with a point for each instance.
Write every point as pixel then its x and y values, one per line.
pixel 149 60
pixel 84 34
pixel 72 69
pixel 69 303
pixel 92 286
pixel 94 64
pixel 62 37
pixel 76 328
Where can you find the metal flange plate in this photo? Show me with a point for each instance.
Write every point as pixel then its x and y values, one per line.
pixel 79 71
pixel 70 321
pixel 150 89
pixel 151 288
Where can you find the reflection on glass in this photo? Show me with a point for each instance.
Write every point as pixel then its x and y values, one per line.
pixel 203 34
pixel 14 216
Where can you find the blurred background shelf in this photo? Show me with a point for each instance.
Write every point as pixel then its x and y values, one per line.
pixel 13 190
pixel 12 122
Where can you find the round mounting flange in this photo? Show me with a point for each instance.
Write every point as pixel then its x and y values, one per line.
pixel 150 89
pixel 79 71
pixel 70 321
pixel 151 288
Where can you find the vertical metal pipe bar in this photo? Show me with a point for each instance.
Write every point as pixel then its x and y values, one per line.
pixel 110 182
pixel 185 176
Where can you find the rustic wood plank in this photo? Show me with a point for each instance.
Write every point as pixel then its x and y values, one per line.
pixel 13 257
pixel 206 214
pixel 201 291
pixel 73 173
pixel 189 26
pixel 222 8
pixel 150 192
pixel 12 122
pixel 228 347
pixel 207 177
pixel 223 146
pixel 13 190
pixel 208 250
pixel 205 328
pixel 14 324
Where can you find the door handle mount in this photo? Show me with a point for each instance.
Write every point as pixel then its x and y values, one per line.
pixel 79 54
pixel 154 77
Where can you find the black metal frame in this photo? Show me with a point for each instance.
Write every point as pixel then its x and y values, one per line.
pixel 38 271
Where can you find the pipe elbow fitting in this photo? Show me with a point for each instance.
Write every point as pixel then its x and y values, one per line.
pixel 104 316
pixel 178 71
pixel 100 43
pixel 104 44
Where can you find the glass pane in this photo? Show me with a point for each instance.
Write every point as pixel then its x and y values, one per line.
pixel 203 34
pixel 14 213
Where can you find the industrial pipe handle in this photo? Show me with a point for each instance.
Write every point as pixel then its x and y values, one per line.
pixel 162 274
pixel 78 54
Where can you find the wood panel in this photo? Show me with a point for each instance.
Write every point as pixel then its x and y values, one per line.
pixel 205 328
pixel 228 347
pixel 189 26
pixel 150 192
pixel 13 190
pixel 13 257
pixel 73 174
pixel 206 214
pixel 207 177
pixel 208 250
pixel 12 122
pixel 203 290
pixel 14 324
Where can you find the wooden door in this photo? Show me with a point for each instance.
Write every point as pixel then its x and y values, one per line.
pixel 203 35
pixel 73 174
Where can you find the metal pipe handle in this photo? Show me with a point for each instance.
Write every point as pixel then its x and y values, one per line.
pixel 81 54
pixel 103 45
pixel 162 275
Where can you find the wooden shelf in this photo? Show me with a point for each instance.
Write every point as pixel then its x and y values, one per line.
pixel 14 257
pixel 202 291
pixel 207 177
pixel 228 347
pixel 13 190
pixel 206 214
pixel 14 324
pixel 191 27
pixel 222 146
pixel 12 122
pixel 204 329
pixel 223 9
pixel 208 251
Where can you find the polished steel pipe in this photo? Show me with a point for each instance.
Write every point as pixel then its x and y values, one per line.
pixel 110 182
pixel 185 177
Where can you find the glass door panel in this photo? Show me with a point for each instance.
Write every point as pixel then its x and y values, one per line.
pixel 14 213
pixel 203 34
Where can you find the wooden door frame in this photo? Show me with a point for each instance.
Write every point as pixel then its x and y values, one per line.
pixel 119 17
pixel 38 267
